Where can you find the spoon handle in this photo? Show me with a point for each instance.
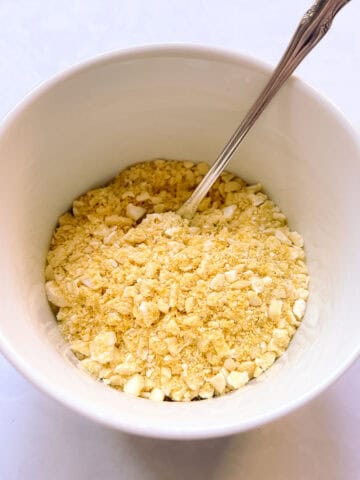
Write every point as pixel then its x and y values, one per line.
pixel 312 27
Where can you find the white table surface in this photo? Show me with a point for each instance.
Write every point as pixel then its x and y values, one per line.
pixel 40 439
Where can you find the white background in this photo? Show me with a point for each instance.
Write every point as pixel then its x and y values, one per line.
pixel 40 439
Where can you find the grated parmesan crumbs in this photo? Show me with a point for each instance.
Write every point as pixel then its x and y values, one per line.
pixel 172 309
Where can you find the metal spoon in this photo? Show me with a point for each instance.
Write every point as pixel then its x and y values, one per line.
pixel 313 26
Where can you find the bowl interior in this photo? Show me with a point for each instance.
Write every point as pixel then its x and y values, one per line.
pixel 179 103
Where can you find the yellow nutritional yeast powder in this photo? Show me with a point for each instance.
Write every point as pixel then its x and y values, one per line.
pixel 164 308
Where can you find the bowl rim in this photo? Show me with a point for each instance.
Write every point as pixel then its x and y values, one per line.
pixel 163 431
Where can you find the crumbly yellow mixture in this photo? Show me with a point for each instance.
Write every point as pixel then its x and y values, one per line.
pixel 168 308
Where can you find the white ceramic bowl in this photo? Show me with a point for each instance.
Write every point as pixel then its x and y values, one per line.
pixel 80 129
